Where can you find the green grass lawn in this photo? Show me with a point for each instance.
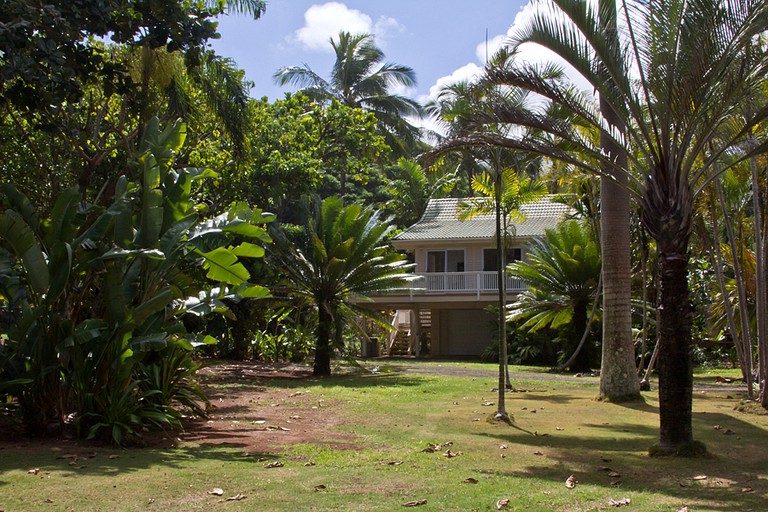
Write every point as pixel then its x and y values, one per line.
pixel 372 456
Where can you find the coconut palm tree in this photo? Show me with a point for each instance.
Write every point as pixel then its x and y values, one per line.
pixel 341 259
pixel 562 273
pixel 676 76
pixel 361 79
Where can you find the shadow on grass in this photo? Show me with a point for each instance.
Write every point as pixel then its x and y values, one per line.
pixel 735 466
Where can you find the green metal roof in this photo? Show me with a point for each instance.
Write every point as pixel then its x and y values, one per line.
pixel 441 222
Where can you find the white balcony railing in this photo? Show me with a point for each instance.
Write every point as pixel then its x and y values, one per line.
pixel 461 283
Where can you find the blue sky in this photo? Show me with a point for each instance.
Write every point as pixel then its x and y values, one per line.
pixel 440 40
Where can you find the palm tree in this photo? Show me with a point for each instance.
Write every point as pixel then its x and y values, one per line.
pixel 678 78
pixel 562 273
pixel 342 258
pixel 505 193
pixel 361 79
pixel 411 189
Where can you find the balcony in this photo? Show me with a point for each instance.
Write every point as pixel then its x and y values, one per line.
pixel 460 283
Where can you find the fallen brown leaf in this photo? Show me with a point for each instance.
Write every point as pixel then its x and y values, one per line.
pixel 394 463
pixel 309 463
pixel 618 503
pixel 538 453
pixel 320 487
pixel 113 457
pixel 216 491
pixel 614 474
pixel 415 503
pixel 502 503
pixel 451 454
pixel 470 480
pixel 276 464
pixel 236 497
pixel 747 489
pixel 33 471
pixel 718 427
pixel 48 500
pixel 487 404
pixel 502 455
pixel 699 477
pixel 604 468
pixel 571 482
pixel 683 509
pixel 503 447
pixel 728 432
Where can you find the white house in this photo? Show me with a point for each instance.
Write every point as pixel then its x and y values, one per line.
pixel 456 268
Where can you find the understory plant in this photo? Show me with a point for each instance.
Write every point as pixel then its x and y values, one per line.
pixel 97 294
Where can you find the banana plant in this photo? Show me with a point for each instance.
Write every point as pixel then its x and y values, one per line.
pixel 97 295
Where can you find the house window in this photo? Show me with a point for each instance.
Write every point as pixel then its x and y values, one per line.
pixel 445 261
pixel 489 258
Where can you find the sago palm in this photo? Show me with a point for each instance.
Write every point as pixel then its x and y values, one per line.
pixel 342 258
pixel 562 272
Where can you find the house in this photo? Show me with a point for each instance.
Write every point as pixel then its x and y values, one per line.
pixel 457 279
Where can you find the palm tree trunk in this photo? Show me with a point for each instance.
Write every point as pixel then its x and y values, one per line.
pixel 674 360
pixel 501 412
pixel 322 366
pixel 618 377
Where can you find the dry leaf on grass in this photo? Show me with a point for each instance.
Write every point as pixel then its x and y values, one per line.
pixel 310 463
pixel 470 480
pixel 49 500
pixel 216 491
pixel 682 509
pixel 275 464
pixel 320 487
pixel 394 463
pixel 487 404
pixel 502 503
pixel 747 489
pixel 33 471
pixel 614 474
pixel 451 454
pixel 571 482
pixel 236 497
pixel 618 503
pixel 503 447
pixel 415 503
pixel 538 453
pixel 113 457
pixel 699 477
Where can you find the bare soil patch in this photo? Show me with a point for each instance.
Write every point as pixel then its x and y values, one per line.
pixel 260 419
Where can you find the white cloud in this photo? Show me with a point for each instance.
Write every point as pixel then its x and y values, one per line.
pixel 467 72
pixel 324 21
pixel 485 50
pixel 529 52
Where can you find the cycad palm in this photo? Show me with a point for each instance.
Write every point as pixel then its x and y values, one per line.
pixel 361 79
pixel 342 258
pixel 562 273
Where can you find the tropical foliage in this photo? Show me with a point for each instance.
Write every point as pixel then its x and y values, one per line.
pixel 96 295
pixel 562 272
pixel 342 256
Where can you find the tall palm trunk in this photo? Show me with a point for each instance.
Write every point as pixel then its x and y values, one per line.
pixel 322 366
pixel 675 363
pixel 667 213
pixel 618 381
pixel 501 412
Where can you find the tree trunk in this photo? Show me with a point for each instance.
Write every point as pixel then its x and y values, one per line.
pixel 618 380
pixel 674 362
pixel 501 412
pixel 322 367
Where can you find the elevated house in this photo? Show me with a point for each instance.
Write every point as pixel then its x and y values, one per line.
pixel 457 280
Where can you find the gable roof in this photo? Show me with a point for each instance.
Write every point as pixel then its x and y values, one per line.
pixel 441 222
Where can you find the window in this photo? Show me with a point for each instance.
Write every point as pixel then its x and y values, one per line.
pixel 489 258
pixel 445 261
